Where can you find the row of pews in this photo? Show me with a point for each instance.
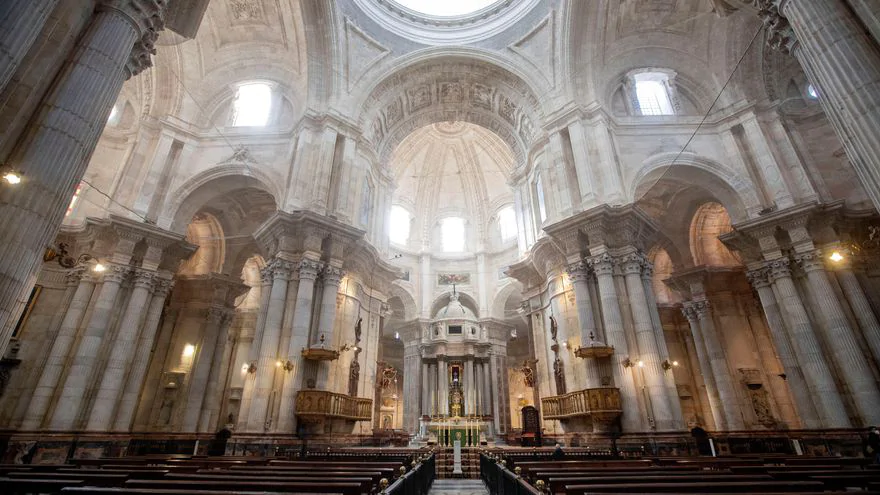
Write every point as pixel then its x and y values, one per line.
pixel 351 472
pixel 532 474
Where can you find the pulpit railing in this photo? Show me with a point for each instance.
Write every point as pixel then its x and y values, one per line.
pixel 323 404
pixel 604 401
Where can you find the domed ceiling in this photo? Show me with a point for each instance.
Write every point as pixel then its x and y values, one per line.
pixel 452 168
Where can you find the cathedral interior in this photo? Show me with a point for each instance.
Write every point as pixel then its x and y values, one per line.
pixel 403 222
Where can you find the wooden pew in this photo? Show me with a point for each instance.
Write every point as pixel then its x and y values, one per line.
pixel 14 486
pixel 344 488
pixel 89 479
pixel 697 487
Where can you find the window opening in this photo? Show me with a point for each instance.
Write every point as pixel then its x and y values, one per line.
pixel 252 105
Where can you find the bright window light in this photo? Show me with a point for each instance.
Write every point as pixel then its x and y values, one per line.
pixel 73 200
pixel 113 119
pixel 399 228
pixel 252 105
pixel 652 93
pixel 507 223
pixel 452 234
pixel 446 8
pixel 811 91
pixel 539 194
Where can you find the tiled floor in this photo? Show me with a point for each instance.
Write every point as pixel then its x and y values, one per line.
pixel 458 487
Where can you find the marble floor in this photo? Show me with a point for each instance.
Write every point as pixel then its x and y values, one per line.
pixel 458 487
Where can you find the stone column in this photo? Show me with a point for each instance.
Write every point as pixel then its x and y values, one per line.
pixel 210 410
pixel 662 348
pixel 579 273
pixel 690 313
pixel 793 374
pixel 266 369
pixel 138 367
pixel 469 397
pixel 55 152
pixel 841 339
pixel 331 277
pixel 603 268
pixel 212 337
pixel 648 353
pixel 73 392
pixel 487 390
pixel 861 308
pixel 720 370
pixel 426 390
pixel 411 382
pixel 844 64
pixel 113 379
pixel 442 386
pixel 21 21
pixel 302 320
pixel 247 392
pixel 829 405
pixel 61 346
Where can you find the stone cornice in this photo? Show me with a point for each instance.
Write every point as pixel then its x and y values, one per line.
pixel 609 226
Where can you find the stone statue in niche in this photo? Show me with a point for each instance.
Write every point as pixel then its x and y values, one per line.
pixel 761 405
pixel 354 375
pixel 357 329
pixel 554 328
pixel 528 374
pixel 559 374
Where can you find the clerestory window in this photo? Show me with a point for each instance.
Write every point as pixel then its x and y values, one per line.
pixel 652 93
pixel 400 225
pixel 507 223
pixel 452 234
pixel 252 106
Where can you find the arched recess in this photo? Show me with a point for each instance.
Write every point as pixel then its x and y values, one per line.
pixel 449 88
pixel 205 232
pixel 215 182
pixel 466 300
pixel 408 302
pixel 663 269
pixel 736 193
pixel 324 68
pixel 501 303
pixel 710 221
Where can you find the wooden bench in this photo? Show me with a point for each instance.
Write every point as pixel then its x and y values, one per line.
pixel 343 488
pixel 12 486
pixel 696 487
pixel 89 479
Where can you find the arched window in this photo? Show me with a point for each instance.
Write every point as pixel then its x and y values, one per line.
pixel 539 197
pixel 398 231
pixel 507 223
pixel 252 105
pixel 452 234
pixel 811 92
pixel 652 93
pixel 115 115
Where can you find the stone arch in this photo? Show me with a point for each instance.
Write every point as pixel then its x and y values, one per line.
pixel 709 221
pixel 411 309
pixel 462 86
pixel 664 267
pixel 214 182
pixel 205 232
pixel 466 300
pixel 736 193
pixel 499 302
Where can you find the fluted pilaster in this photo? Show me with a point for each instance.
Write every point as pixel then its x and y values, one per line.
pixel 54 153
pixel 603 267
pixel 841 339
pixel 138 367
pixel 216 377
pixel 720 369
pixel 829 405
pixel 861 309
pixel 113 378
pixel 266 369
pixel 690 312
pixel 20 23
pixel 61 347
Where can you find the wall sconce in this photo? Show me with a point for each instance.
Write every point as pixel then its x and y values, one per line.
pixel 249 368
pixel 350 347
pixel 667 365
pixel 836 257
pixel 189 350
pixel 12 177
pixel 627 363
pixel 286 366
pixel 64 258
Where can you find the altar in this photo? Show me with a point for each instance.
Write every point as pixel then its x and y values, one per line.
pixel 444 431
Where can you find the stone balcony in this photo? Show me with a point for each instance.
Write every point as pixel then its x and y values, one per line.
pixel 318 405
pixel 602 405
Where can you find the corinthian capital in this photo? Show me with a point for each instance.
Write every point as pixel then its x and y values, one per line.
pixel 603 264
pixel 811 262
pixel 145 15
pixel 579 271
pixel 332 275
pixel 309 269
pixel 759 277
pixel 780 268
pixel 702 309
pixel 144 279
pixel 780 35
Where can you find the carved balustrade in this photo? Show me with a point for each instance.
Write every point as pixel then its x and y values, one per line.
pixel 320 404
pixel 600 403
